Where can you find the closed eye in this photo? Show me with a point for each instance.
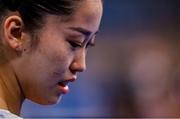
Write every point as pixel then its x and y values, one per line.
pixel 75 44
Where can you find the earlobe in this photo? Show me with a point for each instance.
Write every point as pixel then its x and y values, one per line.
pixel 13 26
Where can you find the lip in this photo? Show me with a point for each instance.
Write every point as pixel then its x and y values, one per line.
pixel 64 89
pixel 72 79
pixel 63 84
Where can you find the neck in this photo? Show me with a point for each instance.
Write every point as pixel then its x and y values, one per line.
pixel 11 96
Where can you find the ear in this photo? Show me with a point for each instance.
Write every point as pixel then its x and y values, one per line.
pixel 13 27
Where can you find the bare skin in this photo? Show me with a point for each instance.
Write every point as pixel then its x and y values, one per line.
pixel 36 73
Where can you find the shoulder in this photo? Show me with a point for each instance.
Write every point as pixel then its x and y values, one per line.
pixel 5 114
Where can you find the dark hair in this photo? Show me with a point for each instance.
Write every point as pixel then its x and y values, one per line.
pixel 33 11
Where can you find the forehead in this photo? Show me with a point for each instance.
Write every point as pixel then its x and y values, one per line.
pixel 88 13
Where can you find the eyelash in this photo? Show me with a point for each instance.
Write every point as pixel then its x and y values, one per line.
pixel 74 44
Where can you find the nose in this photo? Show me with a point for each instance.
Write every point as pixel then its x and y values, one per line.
pixel 79 62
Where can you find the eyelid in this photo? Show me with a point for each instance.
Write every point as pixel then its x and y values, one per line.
pixel 74 44
pixel 79 44
pixel 78 41
pixel 76 38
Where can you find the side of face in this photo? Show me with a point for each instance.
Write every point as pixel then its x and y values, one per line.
pixel 60 53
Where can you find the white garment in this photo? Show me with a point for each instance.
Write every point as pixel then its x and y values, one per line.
pixel 5 114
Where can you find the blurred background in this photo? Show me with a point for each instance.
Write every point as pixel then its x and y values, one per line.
pixel 134 69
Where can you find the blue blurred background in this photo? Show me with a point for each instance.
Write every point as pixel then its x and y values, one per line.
pixel 134 69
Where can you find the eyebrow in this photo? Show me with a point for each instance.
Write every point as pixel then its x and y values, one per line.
pixel 83 31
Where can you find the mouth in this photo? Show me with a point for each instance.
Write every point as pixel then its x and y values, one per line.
pixel 63 84
pixel 63 87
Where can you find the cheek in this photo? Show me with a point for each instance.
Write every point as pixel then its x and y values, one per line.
pixel 47 65
pixel 58 55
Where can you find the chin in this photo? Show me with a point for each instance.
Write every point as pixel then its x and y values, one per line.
pixel 53 101
pixel 49 101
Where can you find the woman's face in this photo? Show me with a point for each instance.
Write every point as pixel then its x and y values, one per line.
pixel 45 71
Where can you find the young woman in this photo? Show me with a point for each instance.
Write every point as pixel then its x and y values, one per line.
pixel 43 45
